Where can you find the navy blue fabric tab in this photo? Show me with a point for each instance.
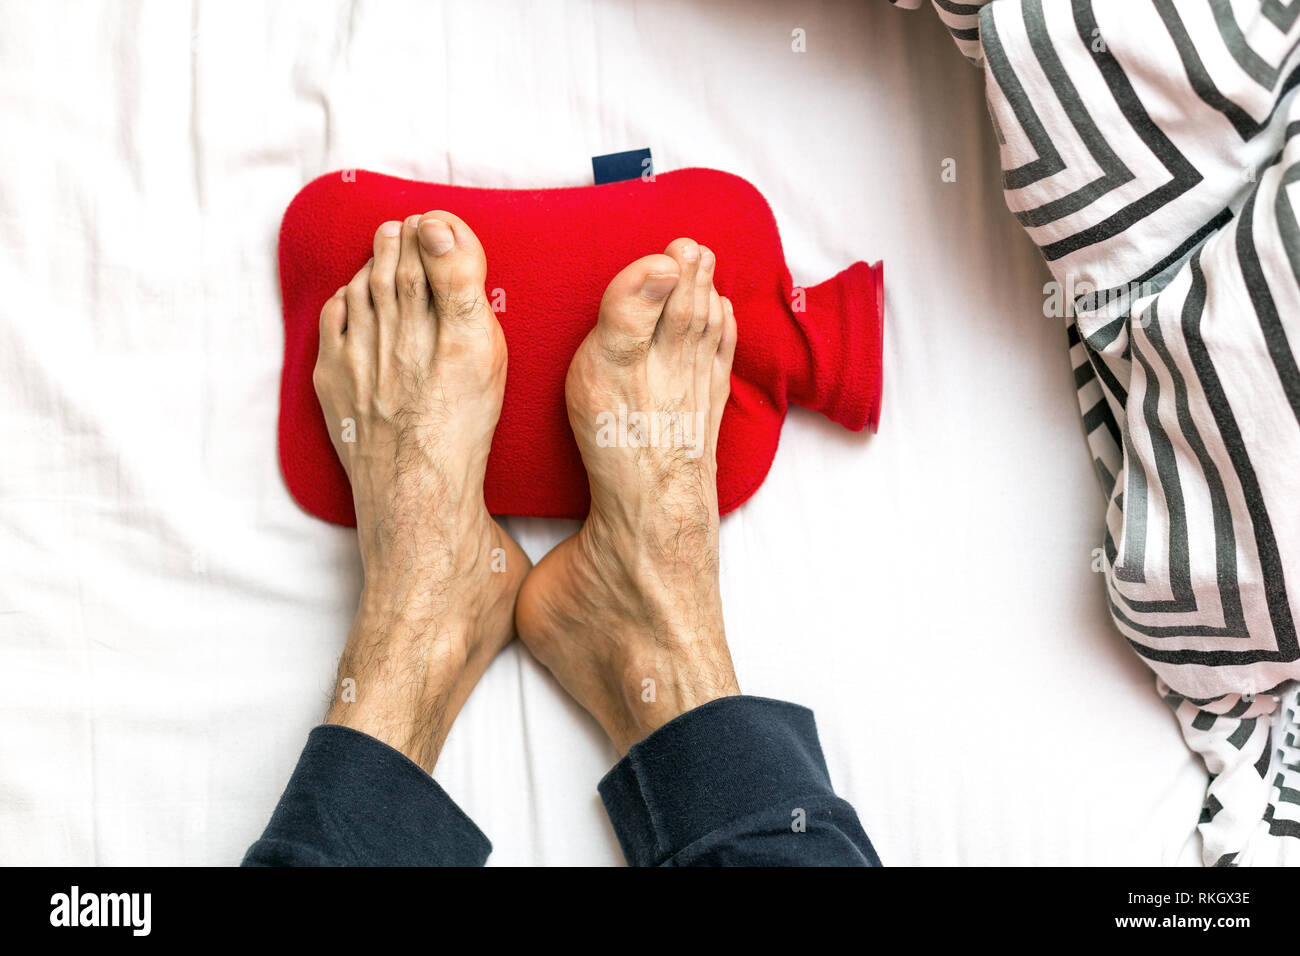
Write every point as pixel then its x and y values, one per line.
pixel 617 167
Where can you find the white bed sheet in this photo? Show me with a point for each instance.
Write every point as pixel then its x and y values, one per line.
pixel 169 618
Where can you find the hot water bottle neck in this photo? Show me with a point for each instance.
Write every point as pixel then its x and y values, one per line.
pixel 550 254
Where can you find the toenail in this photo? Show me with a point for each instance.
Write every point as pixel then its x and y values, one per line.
pixel 413 221
pixel 436 237
pixel 657 285
pixel 707 259
pixel 690 252
pixel 390 229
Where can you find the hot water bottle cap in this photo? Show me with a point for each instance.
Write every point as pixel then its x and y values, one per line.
pixel 550 254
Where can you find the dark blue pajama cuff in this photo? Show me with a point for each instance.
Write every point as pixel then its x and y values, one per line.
pixel 355 801
pixel 740 780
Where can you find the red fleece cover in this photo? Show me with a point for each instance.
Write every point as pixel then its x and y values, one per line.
pixel 550 254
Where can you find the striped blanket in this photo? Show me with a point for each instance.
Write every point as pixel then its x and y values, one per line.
pixel 1151 148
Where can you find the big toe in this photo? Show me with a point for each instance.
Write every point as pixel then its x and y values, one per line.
pixel 455 264
pixel 633 306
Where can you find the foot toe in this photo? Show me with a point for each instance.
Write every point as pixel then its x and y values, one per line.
pixel 720 386
pixel 632 306
pixel 679 311
pixel 361 310
pixel 706 345
pixel 333 321
pixel 704 293
pixel 412 283
pixel 715 316
pixel 383 272
pixel 456 267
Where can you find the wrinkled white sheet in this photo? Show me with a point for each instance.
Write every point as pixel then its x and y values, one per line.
pixel 170 620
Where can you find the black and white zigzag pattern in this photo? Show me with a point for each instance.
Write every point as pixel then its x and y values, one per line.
pixel 1151 148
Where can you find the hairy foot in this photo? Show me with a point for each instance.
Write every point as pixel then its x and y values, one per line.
pixel 410 376
pixel 627 613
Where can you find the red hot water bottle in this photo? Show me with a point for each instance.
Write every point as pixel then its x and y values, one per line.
pixel 550 254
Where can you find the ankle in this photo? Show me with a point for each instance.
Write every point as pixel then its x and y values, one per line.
pixel 397 690
pixel 660 685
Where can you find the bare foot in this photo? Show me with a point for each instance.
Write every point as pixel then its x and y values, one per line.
pixel 627 613
pixel 410 375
